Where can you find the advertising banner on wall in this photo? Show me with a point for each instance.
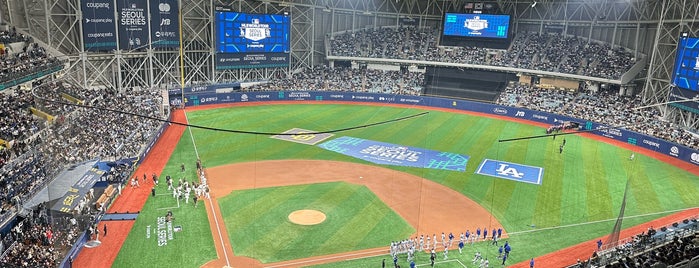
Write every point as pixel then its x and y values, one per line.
pixel 165 23
pixel 99 31
pixel 133 24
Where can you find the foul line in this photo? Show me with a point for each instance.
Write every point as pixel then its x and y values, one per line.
pixel 599 221
pixel 196 152
pixel 334 257
pixel 211 202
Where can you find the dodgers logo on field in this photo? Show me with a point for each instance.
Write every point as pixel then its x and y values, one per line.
pixel 511 171
pixel 506 170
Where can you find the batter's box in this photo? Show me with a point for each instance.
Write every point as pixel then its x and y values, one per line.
pixel 300 136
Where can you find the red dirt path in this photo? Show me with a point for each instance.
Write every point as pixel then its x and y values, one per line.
pixel 429 207
pixel 132 199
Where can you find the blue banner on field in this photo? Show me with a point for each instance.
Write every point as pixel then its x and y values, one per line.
pixel 511 171
pixel 397 155
pixel 165 23
pixel 72 198
pixel 133 24
pixel 99 28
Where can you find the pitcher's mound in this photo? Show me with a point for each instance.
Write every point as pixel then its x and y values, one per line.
pixel 307 217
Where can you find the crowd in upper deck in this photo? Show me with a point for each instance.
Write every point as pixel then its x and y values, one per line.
pixel 534 51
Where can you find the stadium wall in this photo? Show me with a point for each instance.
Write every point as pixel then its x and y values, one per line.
pixel 674 150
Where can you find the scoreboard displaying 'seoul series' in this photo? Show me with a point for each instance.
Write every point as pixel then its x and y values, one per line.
pixel 246 40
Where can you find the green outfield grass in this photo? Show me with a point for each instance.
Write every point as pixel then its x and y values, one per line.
pixel 583 184
pixel 258 226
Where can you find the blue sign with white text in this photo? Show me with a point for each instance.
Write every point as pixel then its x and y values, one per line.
pixel 133 24
pixel 99 32
pixel 164 23
pixel 396 155
pixel 511 171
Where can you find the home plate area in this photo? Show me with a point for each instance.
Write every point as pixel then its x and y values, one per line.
pixel 300 135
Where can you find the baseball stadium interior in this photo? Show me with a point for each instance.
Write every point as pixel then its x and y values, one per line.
pixel 89 86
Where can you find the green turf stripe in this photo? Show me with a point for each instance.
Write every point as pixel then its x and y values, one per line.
pixel 326 203
pixel 248 221
pixel 598 199
pixel 354 229
pixel 574 205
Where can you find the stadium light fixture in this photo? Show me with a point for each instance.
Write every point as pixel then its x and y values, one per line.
pixel 533 4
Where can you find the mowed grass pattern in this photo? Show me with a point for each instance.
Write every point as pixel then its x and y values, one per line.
pixel 583 184
pixel 258 225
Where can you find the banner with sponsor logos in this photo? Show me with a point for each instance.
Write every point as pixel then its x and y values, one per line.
pixel 651 143
pixel 164 23
pixel 396 155
pixel 133 24
pixel 72 198
pixel 99 28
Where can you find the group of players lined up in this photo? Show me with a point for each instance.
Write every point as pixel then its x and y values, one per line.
pixel 183 189
pixel 426 243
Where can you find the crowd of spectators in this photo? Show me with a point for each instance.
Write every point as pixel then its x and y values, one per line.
pixel 17 123
pixel 347 79
pixel 31 60
pixel 34 149
pixel 39 240
pixel 12 36
pixel 544 52
pixel 604 106
pixel 648 249
pixel 93 133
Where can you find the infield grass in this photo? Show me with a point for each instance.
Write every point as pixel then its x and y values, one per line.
pixel 258 225
pixel 583 184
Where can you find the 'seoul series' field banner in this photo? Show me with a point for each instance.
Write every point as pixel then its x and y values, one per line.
pixel 396 155
pixel 99 30
pixel 133 24
pixel 164 23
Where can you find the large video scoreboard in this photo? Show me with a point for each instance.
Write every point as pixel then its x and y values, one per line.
pixel 476 25
pixel 246 40
pixel 685 78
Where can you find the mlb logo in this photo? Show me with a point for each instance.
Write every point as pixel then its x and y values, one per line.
pixel 511 171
